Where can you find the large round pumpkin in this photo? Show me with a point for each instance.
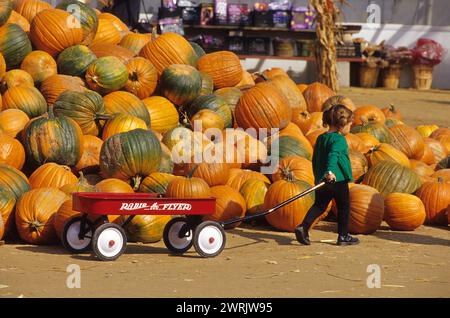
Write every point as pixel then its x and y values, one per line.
pixel 142 77
pixel 106 33
pixel 437 148
pixel 7 205
pixel 55 85
pixel 113 185
pixel 27 99
pixel 15 78
pixel 290 216
pixel 13 180
pixel 126 103
pixel 102 50
pixel 239 176
pixel 215 103
pixel 53 139
pixel 423 170
pixel 387 152
pixel 444 174
pixel 90 159
pixel 106 74
pixel 366 209
pixel 14 45
pixel 316 95
pixel 30 8
pixel 254 191
pixel 35 213
pixel 207 84
pixel 214 173
pixel 52 175
pixel 75 60
pixel 358 163
pixel 189 187
pixel 224 68
pixel 163 114
pixel 156 182
pixel 168 49
pixel 117 23
pixel 404 212
pixel 11 151
pixel 130 155
pixel 87 18
pixel 12 121
pixel 135 41
pixel 435 195
pixel 285 146
pixel 376 129
pixel 51 31
pixel 231 95
pixel 388 177
pixel 180 84
pixel 229 205
pixel 39 65
pixel 121 123
pixel 85 108
pixel 16 18
pixel 300 168
pixel 144 228
pixel 428 155
pixel 82 185
pixel 445 141
pixel 263 106
pixel 368 113
pixel 408 140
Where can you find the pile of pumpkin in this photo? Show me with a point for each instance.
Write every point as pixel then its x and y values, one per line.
pixel 99 108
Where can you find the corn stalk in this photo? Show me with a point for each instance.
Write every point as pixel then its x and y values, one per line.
pixel 327 15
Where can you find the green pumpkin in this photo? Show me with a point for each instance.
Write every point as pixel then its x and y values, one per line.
pixel 215 103
pixel 53 139
pixel 207 84
pixel 6 7
pixel 198 49
pixel 156 182
pixel 126 103
pixel 106 74
pixel 389 177
pixel 180 84
pixel 75 60
pixel 86 108
pixel 392 122
pixel 14 45
pixel 13 180
pixel 231 95
pixel 87 16
pixel 254 191
pixel 145 228
pixel 378 130
pixel 285 146
pixel 130 155
pixel 27 99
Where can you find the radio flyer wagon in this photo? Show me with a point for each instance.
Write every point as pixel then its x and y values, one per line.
pixel 108 240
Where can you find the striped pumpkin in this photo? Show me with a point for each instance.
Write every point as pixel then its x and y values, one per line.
pixel 13 180
pixel 6 7
pixel 52 175
pixel 366 209
pixel 15 78
pixel 163 114
pixel 135 41
pixel 7 205
pixel 102 50
pixel 106 74
pixel 27 99
pixel 14 45
pixel 156 182
pixel 91 154
pixel 408 140
pixel 142 77
pixel 435 195
pixel 224 68
pixel 12 121
pixel 254 191
pixel 11 151
pixel 122 123
pixel 180 84
pixel 404 212
pixel 387 152
pixel 75 60
pixel 215 103
pixel 106 33
pixel 87 17
pixel 39 65
pixel 126 103
pixel 55 85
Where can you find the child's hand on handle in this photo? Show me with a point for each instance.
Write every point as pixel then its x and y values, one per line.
pixel 330 177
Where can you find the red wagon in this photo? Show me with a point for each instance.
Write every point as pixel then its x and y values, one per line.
pixel 108 240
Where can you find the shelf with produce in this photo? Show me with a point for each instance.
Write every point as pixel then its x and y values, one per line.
pixel 297 58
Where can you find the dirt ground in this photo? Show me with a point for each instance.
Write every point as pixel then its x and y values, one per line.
pixel 258 261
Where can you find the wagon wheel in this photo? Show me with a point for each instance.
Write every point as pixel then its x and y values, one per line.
pixel 209 239
pixel 71 235
pixel 177 235
pixel 109 241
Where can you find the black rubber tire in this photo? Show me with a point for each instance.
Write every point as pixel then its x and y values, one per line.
pixel 96 236
pixel 65 241
pixel 198 232
pixel 166 237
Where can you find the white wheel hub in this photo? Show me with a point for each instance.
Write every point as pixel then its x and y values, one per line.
pixel 210 239
pixel 174 238
pixel 72 236
pixel 110 242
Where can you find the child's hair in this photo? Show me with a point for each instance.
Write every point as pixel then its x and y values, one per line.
pixel 337 115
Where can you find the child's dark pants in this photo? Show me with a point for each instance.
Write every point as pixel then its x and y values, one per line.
pixel 340 193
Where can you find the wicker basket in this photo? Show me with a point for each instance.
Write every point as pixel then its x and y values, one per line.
pixel 391 76
pixel 283 47
pixel 423 76
pixel 368 76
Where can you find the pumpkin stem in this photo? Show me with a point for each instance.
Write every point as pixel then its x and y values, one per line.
pixel 136 182
pixel 51 114
pixel 35 225
pixel 134 76
pixel 192 171
pixel 392 108
pixel 103 117
pixel 374 148
pixel 440 179
pixel 364 120
pixel 289 175
pixel 154 33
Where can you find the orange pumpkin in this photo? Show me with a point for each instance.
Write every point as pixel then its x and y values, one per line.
pixel 51 175
pixel 126 103
pixel 423 170
pixel 293 131
pixel 91 153
pixel 163 114
pixel 238 177
pixel 156 182
pixel 246 81
pixel 135 41
pixel 82 185
pixel 122 123
pixel 107 33
pixel 121 27
pixel 142 77
pixel 439 132
pixel 229 205
pixel 291 215
pixel 30 8
pixel 445 141
pixel 404 212
pixel 189 187
pixel 208 119
pixel 358 163
pixel 368 113
pixel 355 143
pixel 316 95
pixel 51 32
pixel 263 106
pixel 428 155
pixel 104 49
pixel 444 174
pixel 275 71
pixel 315 122
pixel 302 121
pixel 288 88
pixel 12 121
pixel 2 67
pixel 313 135
pixel 11 151
pixel 167 49
pixel 407 140
pixel 435 195
pixel 302 87
pixel 438 149
pixel 27 99
pixel 35 213
pixel 7 205
pixel 15 78
pixel 224 67
pixel 113 185
pixel 299 167
pixel 54 85
pixel 63 215
pixel 366 209
pixel 387 152
pixel 213 173
pixel 20 20
pixel 368 141
pixel 392 112
pixel 39 65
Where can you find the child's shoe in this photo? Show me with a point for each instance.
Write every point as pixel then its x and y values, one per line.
pixel 347 240
pixel 302 235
